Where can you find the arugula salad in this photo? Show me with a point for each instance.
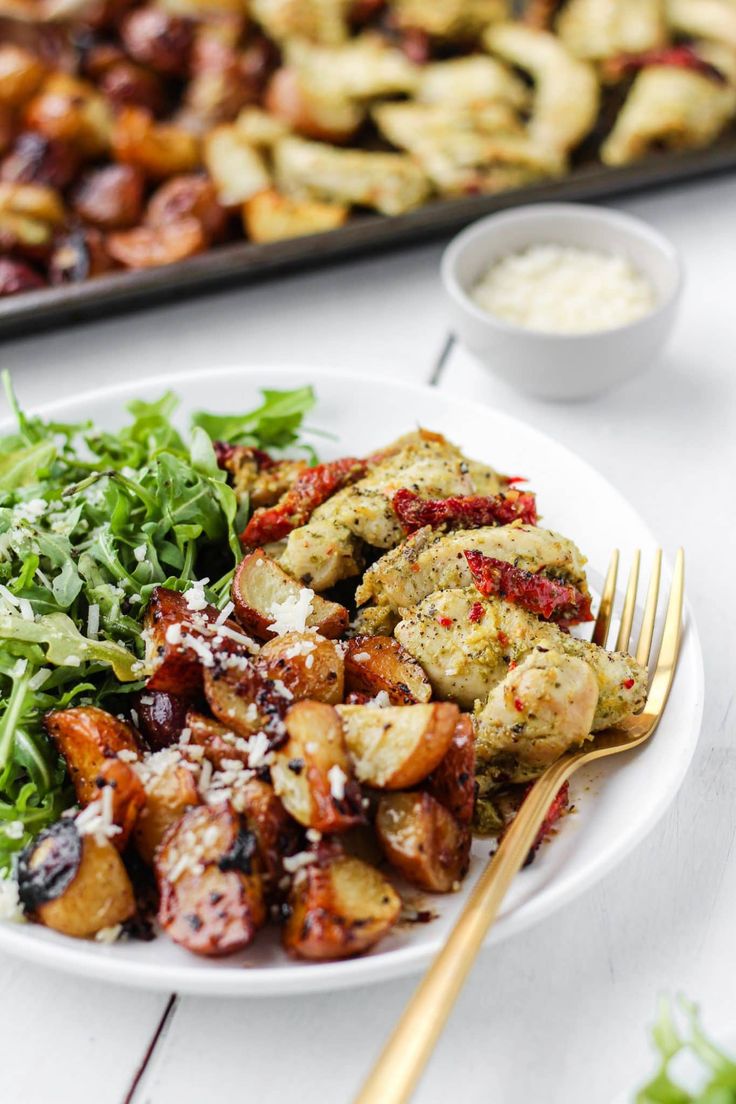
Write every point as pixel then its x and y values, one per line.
pixel 716 1070
pixel 90 523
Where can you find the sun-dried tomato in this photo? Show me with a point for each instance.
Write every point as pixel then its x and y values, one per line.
pixel 313 487
pixel 464 511
pixel 477 612
pixel 545 597
pixel 228 456
pixel 679 57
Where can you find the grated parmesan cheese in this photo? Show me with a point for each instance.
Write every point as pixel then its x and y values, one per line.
pixel 292 863
pixel 564 289
pixel 109 935
pixel 10 906
pixel 292 614
pixel 337 778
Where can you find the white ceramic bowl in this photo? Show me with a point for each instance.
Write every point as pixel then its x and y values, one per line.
pixel 553 365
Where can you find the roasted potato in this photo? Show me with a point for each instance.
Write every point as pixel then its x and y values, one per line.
pixel 398 746
pixel 219 742
pixel 452 782
pixel 87 737
pixel 269 216
pixel 423 840
pixel 159 149
pixel 190 196
pixel 159 40
pixel 71 110
pixel 173 635
pixel 35 159
pixel 21 74
pixel 376 663
pixel 170 792
pixel 310 112
pixel 17 276
pixel 339 907
pixel 237 169
pixel 276 833
pixel 30 215
pixel 150 247
pixel 308 665
pixel 110 198
pixel 128 797
pixel 209 880
pixel 260 583
pixel 244 701
pixel 128 85
pixel 161 716
pixel 74 884
pixel 311 772
pixel 78 255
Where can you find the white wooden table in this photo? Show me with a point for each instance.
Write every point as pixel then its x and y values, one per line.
pixel 558 1013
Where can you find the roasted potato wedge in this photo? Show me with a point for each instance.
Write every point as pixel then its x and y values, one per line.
pixel 244 701
pixel 311 772
pixel 35 159
pixel 376 663
pixel 179 642
pixel 87 737
pixel 308 665
pixel 72 111
pixel 160 150
pixel 209 880
pixel 170 792
pixel 153 246
pixel 190 196
pixel 74 884
pixel 128 797
pixel 276 833
pixel 452 782
pixel 161 716
pixel 423 840
pixel 21 74
pixel 260 583
pixel 78 255
pixel 219 742
pixel 398 746
pixel 161 41
pixel 339 908
pixel 269 216
pixel 110 198
pixel 237 169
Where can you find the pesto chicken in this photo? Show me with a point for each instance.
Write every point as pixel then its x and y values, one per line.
pixel 329 547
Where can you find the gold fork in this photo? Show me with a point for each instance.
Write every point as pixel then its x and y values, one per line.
pixel 404 1057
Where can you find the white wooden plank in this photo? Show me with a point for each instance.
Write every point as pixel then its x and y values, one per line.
pixel 70 1040
pixel 383 313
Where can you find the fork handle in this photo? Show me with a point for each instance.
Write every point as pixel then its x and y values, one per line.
pixel 404 1057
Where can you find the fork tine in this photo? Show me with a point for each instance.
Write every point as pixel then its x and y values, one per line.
pixel 644 647
pixel 670 646
pixel 627 616
pixel 603 620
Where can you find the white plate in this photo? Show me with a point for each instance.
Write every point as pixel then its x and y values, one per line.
pixel 617 803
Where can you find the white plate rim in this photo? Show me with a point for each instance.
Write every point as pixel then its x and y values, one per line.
pixel 74 957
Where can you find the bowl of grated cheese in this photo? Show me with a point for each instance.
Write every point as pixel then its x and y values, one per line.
pixel 562 300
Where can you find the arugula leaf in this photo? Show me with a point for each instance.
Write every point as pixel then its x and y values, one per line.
pixel 718 1069
pixel 90 522
pixel 274 424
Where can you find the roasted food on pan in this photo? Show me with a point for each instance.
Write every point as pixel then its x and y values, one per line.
pixel 309 734
pixel 156 131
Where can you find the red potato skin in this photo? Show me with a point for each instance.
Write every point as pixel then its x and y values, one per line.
pixel 211 735
pixel 78 256
pixel 17 276
pixel 277 834
pixel 128 797
pixel 437 854
pixel 87 737
pixel 188 196
pixel 35 159
pixel 257 623
pixel 162 716
pixel 452 783
pixel 363 678
pixel 111 198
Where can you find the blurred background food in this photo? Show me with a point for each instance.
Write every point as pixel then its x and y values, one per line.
pixel 134 135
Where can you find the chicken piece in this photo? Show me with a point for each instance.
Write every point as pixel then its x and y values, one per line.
pixel 466 657
pixel 361 69
pixel 566 93
pixel 470 81
pixel 542 708
pixel 327 548
pixel 597 29
pixel 317 21
pixel 463 148
pixel 430 561
pixel 390 182
pixel 709 19
pixel 669 106
pixel 450 19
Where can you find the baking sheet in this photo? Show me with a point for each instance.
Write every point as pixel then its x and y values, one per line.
pixel 236 263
